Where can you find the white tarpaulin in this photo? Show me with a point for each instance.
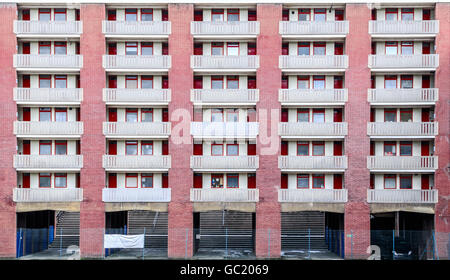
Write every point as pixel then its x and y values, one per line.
pixel 123 241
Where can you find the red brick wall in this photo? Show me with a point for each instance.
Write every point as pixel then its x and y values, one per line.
pixel 268 176
pixel 442 145
pixel 357 143
pixel 8 141
pixel 180 174
pixel 92 114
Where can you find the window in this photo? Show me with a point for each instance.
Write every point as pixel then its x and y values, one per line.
pixel 302 82
pixel 232 149
pixel 216 48
pixel 391 48
pixel 304 14
pixel 217 82
pixel 217 149
pixel 319 82
pixel 147 180
pixel 405 181
pixel 45 147
pixel 390 81
pixel 130 14
pixel 131 147
pixel 146 48
pixel 60 180
pixel 407 48
pixel 131 115
pixel 45 81
pixel 232 48
pixel 60 48
pixel 406 81
pixel 233 15
pixel 60 114
pixel 131 48
pixel 318 148
pixel 131 81
pixel 60 14
pixel 390 181
pixel 303 48
pixel 319 48
pixel 405 148
pixel 302 148
pixel 391 14
pixel 390 115
pixel 147 148
pixel 45 180
pixel 60 81
pixel 302 115
pixel 44 47
pixel 232 115
pixel 232 180
pixel 44 14
pixel 318 181
pixel 216 115
pixel 320 15
pixel 216 181
pixel 217 15
pixel 45 114
pixel 406 115
pixel 318 115
pixel 60 147
pixel 147 115
pixel 407 14
pixel 389 148
pixel 302 181
pixel 232 82
pixel 131 180
pixel 147 82
pixel 146 14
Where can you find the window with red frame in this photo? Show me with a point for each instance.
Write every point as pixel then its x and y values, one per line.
pixel 60 114
pixel 318 115
pixel 45 81
pixel 390 181
pixel 146 48
pixel 303 14
pixel 407 48
pixel 232 149
pixel 131 81
pixel 131 48
pixel 232 49
pixel 217 14
pixel 147 114
pixel 130 14
pixel 390 81
pixel 131 115
pixel 147 82
pixel 60 180
pixel 391 48
pixel 217 48
pixel 60 48
pixel 406 81
pixel 45 47
pixel 233 15
pixel 45 114
pixel 217 82
pixel 320 14
pixel 232 115
pixel 44 14
pixel 391 14
pixel 232 82
pixel 407 14
pixel 147 180
pixel 217 149
pixel 147 148
pixel 45 147
pixel 131 180
pixel 302 181
pixel 146 14
pixel 405 181
pixel 232 180
pixel 45 180
pixel 60 81
pixel 390 148
pixel 216 115
pixel 318 82
pixel 131 147
pixel 303 48
pixel 302 115
pixel 390 115
pixel 318 148
pixel 59 14
pixel 319 48
pixel 405 148
pixel 302 82
pixel 302 148
pixel 318 181
pixel 216 180
pixel 406 115
pixel 60 147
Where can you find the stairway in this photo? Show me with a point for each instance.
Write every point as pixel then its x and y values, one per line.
pixel 155 225
pixel 296 226
pixel 67 230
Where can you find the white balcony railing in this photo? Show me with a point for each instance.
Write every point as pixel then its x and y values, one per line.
pixel 324 62
pixel 312 96
pixel 228 96
pixel 404 61
pixel 48 128
pixel 136 195
pixel 127 28
pixel 60 162
pixel 224 162
pixel 332 129
pixel 224 195
pixel 313 195
pixel 402 129
pixel 138 129
pixel 48 195
pixel 47 61
pixel 312 162
pixel 225 28
pixel 224 129
pixel 313 27
pixel 224 62
pixel 402 196
pixel 402 163
pixel 34 27
pixel 401 27
pixel 48 95
pixel 131 162
pixel 142 62
pixel 402 96
pixel 127 96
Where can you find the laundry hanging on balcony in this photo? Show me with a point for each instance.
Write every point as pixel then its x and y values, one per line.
pixel 123 241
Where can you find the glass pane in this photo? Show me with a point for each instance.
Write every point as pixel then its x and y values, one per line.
pixel 131 149
pixel 303 117
pixel 131 116
pixel 232 150
pixel 217 84
pixel 216 181
pixel 60 49
pixel 147 15
pixel 61 149
pixel 131 182
pixel 60 182
pixel 130 14
pixel 45 83
pixel 234 16
pixel 45 149
pixel 319 84
pixel 319 15
pixel 217 51
pixel 406 116
pixel 304 15
pixel 318 182
pixel 217 116
pixel 303 50
pixel 391 50
pixel 389 150
pixel 303 150
pixel 147 83
pixel 405 150
pixel 131 50
pixel 44 181
pixel 303 84
pixel 44 15
pixel 405 183
pixel 233 84
pixel 233 181
pixel 318 117
pixel 60 83
pixel 147 50
pixel 389 182
pixel 44 49
pixel 61 116
pixel 233 50
pixel 45 116
pixel 60 14
pixel 302 182
pixel 390 116
pixel 407 83
pixel 147 117
pixel 147 148
pixel 390 83
pixel 131 83
pixel 147 182
pixel 216 150
pixel 217 15
pixel 408 49
pixel 391 14
pixel 319 50
pixel 318 150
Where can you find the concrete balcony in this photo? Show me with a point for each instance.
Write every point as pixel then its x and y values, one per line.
pixel 324 97
pixel 224 195
pixel 410 62
pixel 48 96
pixel 313 29
pixel 224 130
pixel 311 63
pixel 224 163
pixel 312 163
pixel 48 195
pixel 136 29
pixel 403 96
pixel 417 164
pixel 225 29
pixel 136 163
pixel 152 130
pixel 140 63
pixel 46 29
pixel 235 97
pixel 44 62
pixel 48 129
pixel 402 196
pixel 225 63
pixel 138 96
pixel 48 162
pixel 398 29
pixel 312 196
pixel 402 129
pixel 136 195
pixel 306 130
